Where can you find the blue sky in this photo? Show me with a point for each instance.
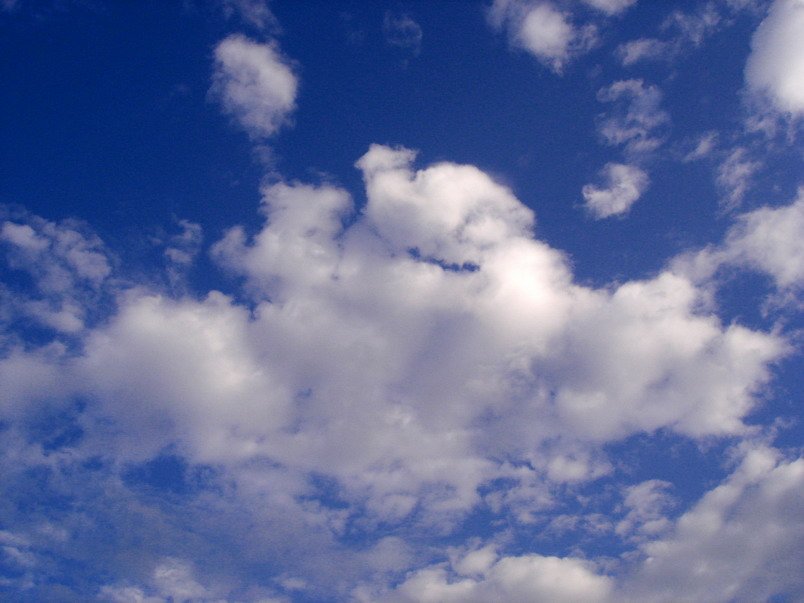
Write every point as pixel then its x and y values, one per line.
pixel 401 301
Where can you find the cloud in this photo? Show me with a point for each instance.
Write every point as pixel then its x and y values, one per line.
pixel 635 118
pixel 611 7
pixel 766 240
pixel 254 84
pixel 734 176
pixel 401 31
pixel 542 30
pixel 253 12
pixel 485 577
pixel 642 49
pixel 775 67
pixel 741 542
pixel 624 186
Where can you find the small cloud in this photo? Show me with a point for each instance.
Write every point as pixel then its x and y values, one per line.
pixel 252 12
pixel 642 49
pixel 611 7
pixel 401 31
pixel 704 147
pixel 623 186
pixel 543 30
pixel 254 84
pixel 734 177
pixel 635 118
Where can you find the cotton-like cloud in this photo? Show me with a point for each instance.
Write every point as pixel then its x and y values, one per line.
pixel 254 84
pixel 624 185
pixel 741 542
pixel 775 66
pixel 525 578
pixel 543 30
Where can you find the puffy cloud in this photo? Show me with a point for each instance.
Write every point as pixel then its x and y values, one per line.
pixel 775 66
pixel 402 31
pixel 624 185
pixel 741 542
pixel 480 576
pixel 254 84
pixel 543 30
pixel 408 357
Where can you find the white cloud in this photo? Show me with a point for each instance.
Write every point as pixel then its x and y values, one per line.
pixel 635 117
pixel 402 31
pixel 67 265
pixel 642 49
pixel 769 240
pixel 611 7
pixel 543 30
pixel 741 542
pixel 624 185
pixel 647 503
pixel 734 176
pixel 775 66
pixel 524 578
pixel 704 147
pixel 254 84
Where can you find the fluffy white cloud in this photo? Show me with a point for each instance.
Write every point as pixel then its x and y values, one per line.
pixel 543 30
pixel 642 49
pixel 480 576
pixel 775 66
pixel 741 542
pixel 624 184
pixel 254 84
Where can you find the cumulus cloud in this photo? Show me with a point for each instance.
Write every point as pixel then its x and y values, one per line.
pixel 741 542
pixel 624 185
pixel 254 84
pixel 543 30
pixel 481 576
pixel 766 240
pixel 775 67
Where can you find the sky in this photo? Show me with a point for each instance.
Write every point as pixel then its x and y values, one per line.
pixel 401 301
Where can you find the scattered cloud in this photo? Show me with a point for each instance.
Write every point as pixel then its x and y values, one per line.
pixel 624 185
pixel 254 84
pixel 543 30
pixel 611 7
pixel 734 177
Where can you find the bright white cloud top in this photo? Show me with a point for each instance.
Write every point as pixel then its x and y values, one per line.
pixel 415 387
